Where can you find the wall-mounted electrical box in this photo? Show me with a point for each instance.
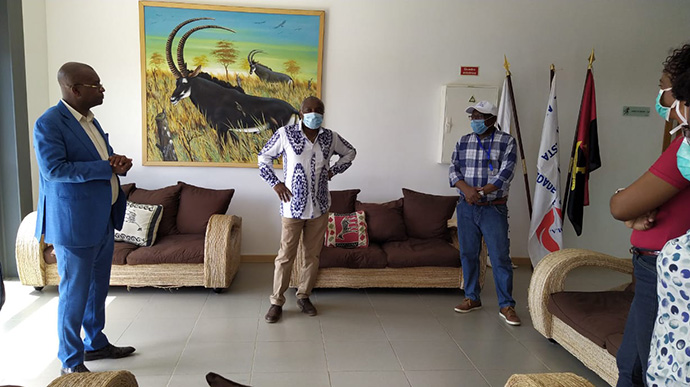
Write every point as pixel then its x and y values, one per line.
pixel 455 122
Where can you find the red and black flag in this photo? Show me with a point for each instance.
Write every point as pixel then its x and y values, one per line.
pixel 584 158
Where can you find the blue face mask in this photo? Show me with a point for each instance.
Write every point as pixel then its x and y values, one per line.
pixel 683 158
pixel 312 120
pixel 478 126
pixel 663 111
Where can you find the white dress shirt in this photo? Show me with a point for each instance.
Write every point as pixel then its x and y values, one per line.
pixel 86 122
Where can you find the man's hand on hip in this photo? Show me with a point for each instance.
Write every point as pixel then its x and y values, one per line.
pixel 283 192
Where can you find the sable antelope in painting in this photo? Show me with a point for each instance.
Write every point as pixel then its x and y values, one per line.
pixel 226 107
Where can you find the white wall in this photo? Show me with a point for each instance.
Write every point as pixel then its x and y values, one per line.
pixel 385 63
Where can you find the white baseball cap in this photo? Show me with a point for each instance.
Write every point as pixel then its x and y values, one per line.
pixel 484 107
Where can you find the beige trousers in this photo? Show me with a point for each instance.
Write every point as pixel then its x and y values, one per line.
pixel 312 232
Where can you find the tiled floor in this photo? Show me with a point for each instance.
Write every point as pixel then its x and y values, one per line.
pixel 373 337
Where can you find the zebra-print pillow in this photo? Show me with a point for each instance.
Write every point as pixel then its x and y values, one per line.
pixel 141 224
pixel 347 230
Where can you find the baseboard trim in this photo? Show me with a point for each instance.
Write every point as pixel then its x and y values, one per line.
pixel 258 258
pixel 521 260
pixel 252 258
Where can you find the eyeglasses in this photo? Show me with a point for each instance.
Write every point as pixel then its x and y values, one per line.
pixel 98 86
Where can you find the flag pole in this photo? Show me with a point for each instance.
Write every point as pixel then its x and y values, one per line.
pixel 572 152
pixel 506 65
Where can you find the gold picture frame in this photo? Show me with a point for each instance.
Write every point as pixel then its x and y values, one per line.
pixel 217 81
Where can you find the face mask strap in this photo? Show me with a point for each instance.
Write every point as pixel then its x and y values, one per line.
pixel 683 118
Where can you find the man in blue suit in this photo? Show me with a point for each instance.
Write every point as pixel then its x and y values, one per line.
pixel 80 203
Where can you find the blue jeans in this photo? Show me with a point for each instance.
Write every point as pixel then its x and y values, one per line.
pixel 491 222
pixel 634 350
pixel 84 282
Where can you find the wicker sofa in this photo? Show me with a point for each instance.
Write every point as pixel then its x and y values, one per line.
pixel 413 243
pixel 588 324
pixel 197 244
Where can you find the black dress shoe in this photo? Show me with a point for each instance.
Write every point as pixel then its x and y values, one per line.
pixel 274 313
pixel 108 352
pixel 79 368
pixel 306 306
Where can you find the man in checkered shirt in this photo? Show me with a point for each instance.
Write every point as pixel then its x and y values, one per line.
pixel 481 169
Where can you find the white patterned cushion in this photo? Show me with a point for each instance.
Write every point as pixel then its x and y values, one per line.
pixel 141 224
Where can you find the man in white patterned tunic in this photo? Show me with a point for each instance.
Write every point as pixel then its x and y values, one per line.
pixel 306 149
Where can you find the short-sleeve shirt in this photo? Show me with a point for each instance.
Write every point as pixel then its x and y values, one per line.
pixel 673 218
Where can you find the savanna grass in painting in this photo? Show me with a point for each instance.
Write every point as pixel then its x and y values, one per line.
pixel 193 138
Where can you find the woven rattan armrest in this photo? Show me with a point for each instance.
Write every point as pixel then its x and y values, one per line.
pixel 29 253
pixel 222 250
pixel 550 274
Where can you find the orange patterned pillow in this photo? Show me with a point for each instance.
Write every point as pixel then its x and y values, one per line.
pixel 347 230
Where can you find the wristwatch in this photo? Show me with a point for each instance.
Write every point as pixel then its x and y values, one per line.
pixel 481 193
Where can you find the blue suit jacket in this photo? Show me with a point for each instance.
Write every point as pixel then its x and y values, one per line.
pixel 74 199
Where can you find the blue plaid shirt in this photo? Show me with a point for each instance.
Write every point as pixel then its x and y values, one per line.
pixel 471 163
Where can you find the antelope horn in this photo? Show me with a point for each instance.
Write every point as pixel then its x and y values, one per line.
pixel 168 44
pixel 183 40
pixel 252 53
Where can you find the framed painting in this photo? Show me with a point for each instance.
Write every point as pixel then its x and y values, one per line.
pixel 217 81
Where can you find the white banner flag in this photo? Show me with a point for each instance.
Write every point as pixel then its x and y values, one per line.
pixel 546 226
pixel 505 108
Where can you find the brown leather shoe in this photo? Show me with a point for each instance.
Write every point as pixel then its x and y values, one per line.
pixel 306 306
pixel 510 316
pixel 468 305
pixel 274 313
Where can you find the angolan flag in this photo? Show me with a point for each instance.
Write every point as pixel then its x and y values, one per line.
pixel 584 158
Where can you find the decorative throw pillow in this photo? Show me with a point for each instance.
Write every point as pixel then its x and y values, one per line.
pixel 169 197
pixel 141 224
pixel 128 188
pixel 347 230
pixel 197 204
pixel 426 216
pixel 385 221
pixel 343 202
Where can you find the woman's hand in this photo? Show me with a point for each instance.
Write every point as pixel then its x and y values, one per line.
pixel 643 222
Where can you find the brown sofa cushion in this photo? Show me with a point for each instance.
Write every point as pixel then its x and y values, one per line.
pixel 169 197
pixel 128 188
pixel 121 251
pixel 180 248
pixel 385 221
pixel 370 257
pixel 426 216
pixel 613 342
pixel 343 202
pixel 197 204
pixel 595 315
pixel 421 252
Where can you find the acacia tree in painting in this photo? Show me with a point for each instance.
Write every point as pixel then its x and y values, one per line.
pixel 292 68
pixel 201 60
pixel 156 60
pixel 225 54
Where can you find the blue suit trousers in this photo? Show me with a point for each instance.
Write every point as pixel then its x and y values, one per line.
pixel 84 282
